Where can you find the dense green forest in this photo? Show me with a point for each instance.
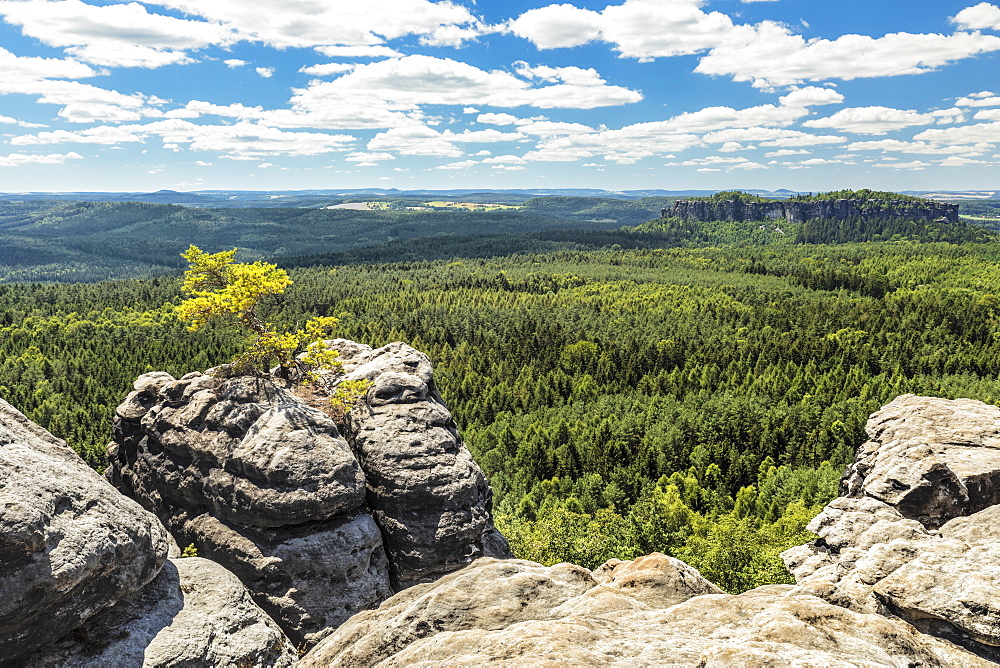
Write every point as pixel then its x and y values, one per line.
pixel 869 196
pixel 697 401
pixel 986 212
pixel 624 212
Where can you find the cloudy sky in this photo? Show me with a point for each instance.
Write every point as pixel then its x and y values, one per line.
pixel 673 94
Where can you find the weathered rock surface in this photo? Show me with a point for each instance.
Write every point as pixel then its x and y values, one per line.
pixel 264 484
pixel 428 496
pixel 70 544
pixel 194 613
pixel 517 613
pixel 799 212
pixel 914 532
pixel 259 482
pixel 931 459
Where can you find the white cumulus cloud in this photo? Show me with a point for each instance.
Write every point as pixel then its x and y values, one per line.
pixel 978 133
pixel 117 35
pixel 872 120
pixel 423 140
pixel 18 159
pixel 979 17
pixel 314 23
pixel 769 54
pixel 408 82
pixel 811 96
pixel 326 69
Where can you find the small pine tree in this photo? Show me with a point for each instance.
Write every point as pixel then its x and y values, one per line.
pixel 222 289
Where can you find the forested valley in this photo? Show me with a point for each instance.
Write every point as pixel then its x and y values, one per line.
pixel 699 401
pixel 93 241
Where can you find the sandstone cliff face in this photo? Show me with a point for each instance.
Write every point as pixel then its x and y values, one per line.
pixel 914 533
pixel 428 496
pixel 194 613
pixel 85 581
pixel 317 528
pixel 799 212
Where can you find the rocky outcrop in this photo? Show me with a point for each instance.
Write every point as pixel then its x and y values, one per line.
pixel 260 483
pixel 194 613
pixel 70 544
pixel 428 496
pixel 914 533
pixel 799 212
pixel 263 483
pixel 651 612
pixel 81 576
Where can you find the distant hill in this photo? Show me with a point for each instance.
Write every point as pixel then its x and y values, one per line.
pixel 91 241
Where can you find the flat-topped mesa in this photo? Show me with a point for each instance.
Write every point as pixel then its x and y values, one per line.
pixel 316 527
pixel 799 212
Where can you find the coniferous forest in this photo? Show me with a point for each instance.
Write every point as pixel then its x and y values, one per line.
pixel 698 401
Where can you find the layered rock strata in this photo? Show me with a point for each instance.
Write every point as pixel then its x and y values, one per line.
pixel 655 611
pixel 70 544
pixel 799 212
pixel 915 532
pixel 428 496
pixel 263 483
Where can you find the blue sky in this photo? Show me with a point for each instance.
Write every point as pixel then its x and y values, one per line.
pixel 635 94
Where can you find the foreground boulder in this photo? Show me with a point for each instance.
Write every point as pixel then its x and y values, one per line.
pixel 194 613
pixel 915 532
pixel 651 612
pixel 70 544
pixel 264 483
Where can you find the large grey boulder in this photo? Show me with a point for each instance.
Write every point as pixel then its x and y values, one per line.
pixel 428 496
pixel 517 613
pixel 257 476
pixel 914 533
pixel 931 459
pixel 194 613
pixel 70 544
pixel 261 483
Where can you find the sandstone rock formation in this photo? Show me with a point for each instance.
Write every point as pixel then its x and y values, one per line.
pixel 194 613
pixel 264 484
pixel 81 576
pixel 914 532
pixel 799 212
pixel 70 544
pixel 428 496
pixel 651 612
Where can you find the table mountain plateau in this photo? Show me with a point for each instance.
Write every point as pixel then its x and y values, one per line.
pixel 799 212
